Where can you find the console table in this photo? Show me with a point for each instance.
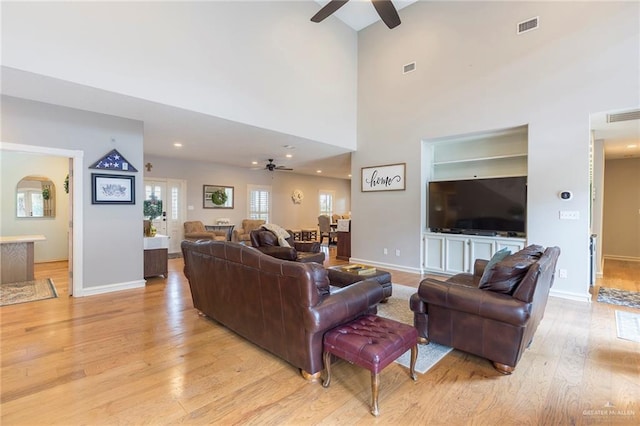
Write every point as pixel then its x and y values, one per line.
pixel 156 255
pixel 17 258
pixel 228 228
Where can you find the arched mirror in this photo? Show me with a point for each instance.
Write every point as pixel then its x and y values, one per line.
pixel 35 197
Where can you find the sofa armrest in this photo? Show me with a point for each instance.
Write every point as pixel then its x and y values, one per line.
pixel 284 253
pixel 310 246
pixel 483 303
pixel 343 305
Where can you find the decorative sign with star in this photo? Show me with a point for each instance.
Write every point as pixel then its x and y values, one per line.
pixel 113 161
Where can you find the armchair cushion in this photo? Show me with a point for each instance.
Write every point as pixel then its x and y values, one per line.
pixel 504 275
pixel 300 251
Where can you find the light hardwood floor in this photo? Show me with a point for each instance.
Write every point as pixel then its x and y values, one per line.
pixel 146 357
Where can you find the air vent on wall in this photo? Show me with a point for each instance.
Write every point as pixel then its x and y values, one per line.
pixel 408 68
pixel 623 116
pixel 528 25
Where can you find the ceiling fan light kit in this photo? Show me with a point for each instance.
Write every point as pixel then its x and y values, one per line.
pixel 385 8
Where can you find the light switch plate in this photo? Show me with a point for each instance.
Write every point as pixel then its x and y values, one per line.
pixel 569 215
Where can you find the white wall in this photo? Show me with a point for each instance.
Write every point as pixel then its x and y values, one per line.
pixel 621 216
pixel 16 166
pixel 283 183
pixel 475 74
pixel 260 63
pixel 107 228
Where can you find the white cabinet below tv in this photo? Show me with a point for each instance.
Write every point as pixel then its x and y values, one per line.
pixel 455 253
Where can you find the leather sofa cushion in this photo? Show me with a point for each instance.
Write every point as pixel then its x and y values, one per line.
pixel 504 276
pixel 268 238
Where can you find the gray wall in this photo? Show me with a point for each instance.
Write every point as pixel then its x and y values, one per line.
pixel 621 219
pixel 283 183
pixel 475 74
pixel 113 252
pixel 14 167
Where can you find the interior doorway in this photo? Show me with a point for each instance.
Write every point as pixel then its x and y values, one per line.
pixel 75 212
pixel 615 185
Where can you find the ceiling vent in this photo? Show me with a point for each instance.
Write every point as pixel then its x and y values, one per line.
pixel 408 68
pixel 528 25
pixel 623 116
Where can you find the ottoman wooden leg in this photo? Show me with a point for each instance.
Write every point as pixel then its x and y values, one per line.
pixel 327 368
pixel 412 366
pixel 375 387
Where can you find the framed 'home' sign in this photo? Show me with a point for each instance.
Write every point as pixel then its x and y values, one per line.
pixel 390 177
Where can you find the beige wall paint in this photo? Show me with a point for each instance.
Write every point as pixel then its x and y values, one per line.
pixel 16 166
pixel 621 224
pixel 283 183
pixel 475 74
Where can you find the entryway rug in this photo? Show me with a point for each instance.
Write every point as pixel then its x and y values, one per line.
pixel 27 291
pixel 628 325
pixel 397 308
pixel 614 296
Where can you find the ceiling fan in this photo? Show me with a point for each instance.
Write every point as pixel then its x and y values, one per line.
pixel 271 166
pixel 385 9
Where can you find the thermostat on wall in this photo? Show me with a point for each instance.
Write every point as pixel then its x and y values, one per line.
pixel 565 195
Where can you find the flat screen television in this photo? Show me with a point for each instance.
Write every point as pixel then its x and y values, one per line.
pixel 478 206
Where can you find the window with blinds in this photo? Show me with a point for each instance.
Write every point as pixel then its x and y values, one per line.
pixel 259 202
pixel 326 202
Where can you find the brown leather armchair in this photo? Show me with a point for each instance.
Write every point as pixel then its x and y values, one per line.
pixel 242 234
pixel 492 314
pixel 300 251
pixel 195 230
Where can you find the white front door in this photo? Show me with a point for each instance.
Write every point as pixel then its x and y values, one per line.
pixel 170 195
pixel 155 194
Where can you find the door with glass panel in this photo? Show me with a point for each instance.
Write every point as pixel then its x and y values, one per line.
pixel 154 205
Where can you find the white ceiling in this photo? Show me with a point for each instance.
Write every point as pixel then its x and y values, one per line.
pixel 359 14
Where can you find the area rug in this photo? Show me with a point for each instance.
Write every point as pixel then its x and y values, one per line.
pixel 27 291
pixel 397 308
pixel 628 325
pixel 614 296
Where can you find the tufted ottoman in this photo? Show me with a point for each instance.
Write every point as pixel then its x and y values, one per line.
pixel 371 342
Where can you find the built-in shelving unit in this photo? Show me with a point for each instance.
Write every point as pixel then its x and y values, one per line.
pixel 494 154
pixel 484 155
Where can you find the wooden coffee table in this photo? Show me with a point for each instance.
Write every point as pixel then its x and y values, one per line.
pixel 340 277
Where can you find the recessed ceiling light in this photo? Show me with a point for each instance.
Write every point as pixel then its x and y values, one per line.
pixel 254 162
pixel 289 155
pixel 318 171
pixel 632 146
pixel 177 145
pixel 349 174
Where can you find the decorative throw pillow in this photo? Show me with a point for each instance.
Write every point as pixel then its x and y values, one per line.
pixel 505 275
pixel 497 257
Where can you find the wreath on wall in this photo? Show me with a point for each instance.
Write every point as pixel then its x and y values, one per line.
pixel 219 197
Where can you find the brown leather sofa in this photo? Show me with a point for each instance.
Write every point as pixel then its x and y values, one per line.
pixel 494 314
pixel 300 251
pixel 282 306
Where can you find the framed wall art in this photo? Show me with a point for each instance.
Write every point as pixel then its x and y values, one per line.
pixel 217 197
pixel 389 177
pixel 112 189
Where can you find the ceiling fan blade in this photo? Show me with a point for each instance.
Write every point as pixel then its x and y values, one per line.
pixel 283 168
pixel 328 10
pixel 387 12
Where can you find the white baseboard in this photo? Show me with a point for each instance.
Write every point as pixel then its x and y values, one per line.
pixel 578 297
pixel 110 288
pixel 386 265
